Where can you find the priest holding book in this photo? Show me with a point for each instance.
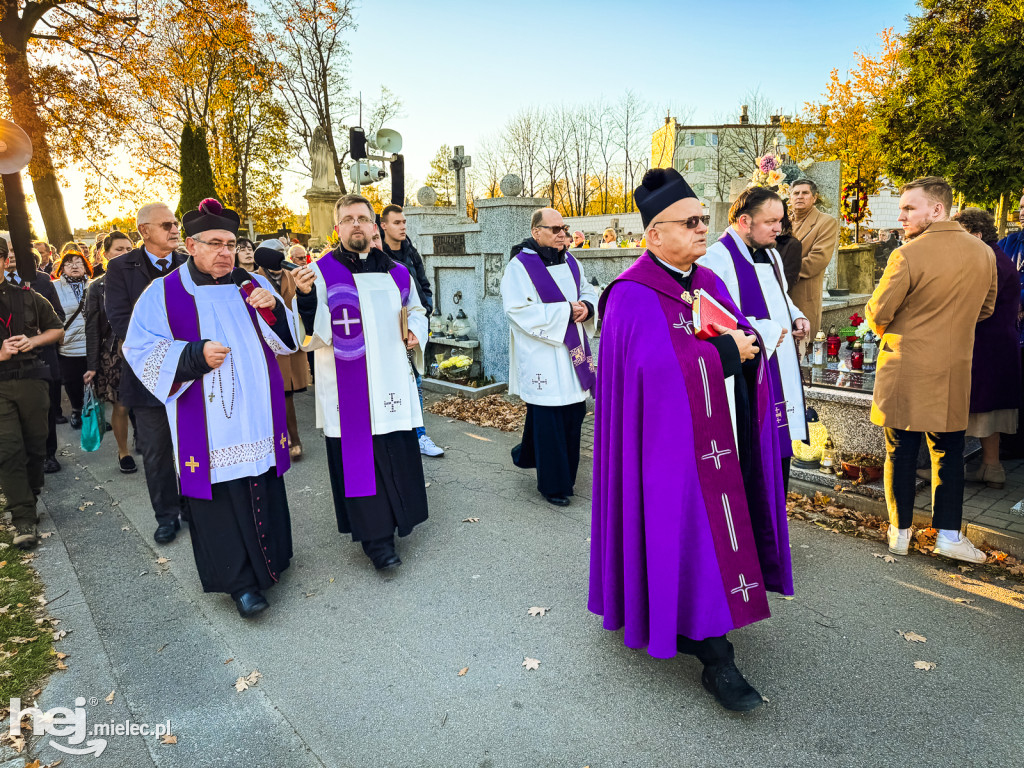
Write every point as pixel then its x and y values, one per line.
pixel 747 262
pixel 689 524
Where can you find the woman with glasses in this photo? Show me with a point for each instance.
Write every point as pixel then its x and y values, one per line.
pixel 73 273
pixel 245 251
pixel 609 239
pixel 103 352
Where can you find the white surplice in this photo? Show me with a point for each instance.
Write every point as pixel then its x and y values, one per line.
pixel 540 368
pixel 236 396
pixel 394 397
pixel 782 312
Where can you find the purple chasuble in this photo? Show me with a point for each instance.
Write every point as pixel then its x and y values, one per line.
pixel 678 546
pixel 350 365
pixel 192 431
pixel 752 304
pixel 549 292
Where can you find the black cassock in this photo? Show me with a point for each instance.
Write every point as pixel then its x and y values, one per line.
pixel 551 443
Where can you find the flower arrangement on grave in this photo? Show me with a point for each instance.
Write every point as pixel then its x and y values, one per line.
pixel 456 366
pixel 856 329
pixel 773 172
pixel 854 206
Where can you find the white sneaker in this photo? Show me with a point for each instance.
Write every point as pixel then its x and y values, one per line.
pixel 899 539
pixel 959 550
pixel 427 447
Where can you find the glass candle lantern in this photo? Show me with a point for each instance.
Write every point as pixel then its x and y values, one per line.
pixel 857 355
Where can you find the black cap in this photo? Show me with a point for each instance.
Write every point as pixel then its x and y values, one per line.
pixel 660 188
pixel 210 215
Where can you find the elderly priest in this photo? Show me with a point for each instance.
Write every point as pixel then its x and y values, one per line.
pixel 203 340
pixel 689 514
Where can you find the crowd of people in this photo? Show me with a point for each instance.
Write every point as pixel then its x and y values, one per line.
pixel 201 339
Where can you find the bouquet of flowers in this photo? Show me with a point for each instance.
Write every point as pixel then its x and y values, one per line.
pixel 456 366
pixel 856 329
pixel 772 171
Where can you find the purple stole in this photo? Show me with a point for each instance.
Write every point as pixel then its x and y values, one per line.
pixel 192 430
pixel 752 304
pixel 549 292
pixel 350 366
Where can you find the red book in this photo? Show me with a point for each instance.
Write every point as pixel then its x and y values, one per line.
pixel 706 313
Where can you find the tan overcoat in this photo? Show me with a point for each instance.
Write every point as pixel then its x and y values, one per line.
pixel 294 367
pixel 933 292
pixel 818 234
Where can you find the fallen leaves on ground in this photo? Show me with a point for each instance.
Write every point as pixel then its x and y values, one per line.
pixel 537 611
pixel 471 520
pixel 109 698
pixel 926 666
pixel 163 560
pixel 168 738
pixel 247 681
pixel 463 671
pixel 492 411
pixel 531 663
pixel 885 558
pixel 962 600
pixel 913 637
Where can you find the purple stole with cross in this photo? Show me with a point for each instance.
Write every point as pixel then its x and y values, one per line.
pixel 349 344
pixel 549 293
pixel 752 304
pixel 192 430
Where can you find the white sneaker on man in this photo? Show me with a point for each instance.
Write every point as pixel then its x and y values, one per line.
pixel 899 539
pixel 427 447
pixel 959 549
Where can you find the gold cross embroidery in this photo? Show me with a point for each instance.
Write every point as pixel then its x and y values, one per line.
pixel 192 464
pixel 284 440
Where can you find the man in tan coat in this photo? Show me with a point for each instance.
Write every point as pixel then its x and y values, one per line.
pixel 817 233
pixel 932 293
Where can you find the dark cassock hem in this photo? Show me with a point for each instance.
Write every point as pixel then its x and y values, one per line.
pixel 401 499
pixel 242 538
pixel 551 443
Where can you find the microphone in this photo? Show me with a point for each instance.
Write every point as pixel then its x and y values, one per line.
pixel 243 280
pixel 268 258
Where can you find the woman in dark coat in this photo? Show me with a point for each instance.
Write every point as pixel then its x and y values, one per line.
pixel 995 370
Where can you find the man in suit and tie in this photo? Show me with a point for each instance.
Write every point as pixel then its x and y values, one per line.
pixel 127 277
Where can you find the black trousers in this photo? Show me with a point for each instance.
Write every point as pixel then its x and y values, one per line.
pixel 23 405
pixel 947 456
pixel 551 443
pixel 51 418
pixel 154 441
pixel 72 369
pixel 710 651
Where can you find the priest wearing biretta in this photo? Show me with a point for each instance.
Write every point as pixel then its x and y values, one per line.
pixel 204 341
pixel 689 515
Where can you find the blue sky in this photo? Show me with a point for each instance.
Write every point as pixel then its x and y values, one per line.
pixel 462 69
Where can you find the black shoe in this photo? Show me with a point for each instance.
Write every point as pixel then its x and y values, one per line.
pixel 107 427
pixel 127 464
pixel 388 562
pixel 76 420
pixel 250 603
pixel 726 683
pixel 51 465
pixel 166 532
pixel 61 419
pixel 558 501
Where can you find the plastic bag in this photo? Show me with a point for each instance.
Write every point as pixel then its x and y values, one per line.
pixel 93 421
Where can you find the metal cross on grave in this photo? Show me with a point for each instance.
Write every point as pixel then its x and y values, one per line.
pixel 347 321
pixel 459 163
pixel 539 382
pixel 393 403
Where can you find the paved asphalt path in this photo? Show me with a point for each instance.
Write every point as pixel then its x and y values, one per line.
pixel 360 669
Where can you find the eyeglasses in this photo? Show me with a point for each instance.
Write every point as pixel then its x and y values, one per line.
pixel 362 221
pixel 555 228
pixel 166 226
pixel 690 223
pixel 217 244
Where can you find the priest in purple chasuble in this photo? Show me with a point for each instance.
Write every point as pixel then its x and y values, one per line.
pixel 746 261
pixel 206 348
pixel 367 402
pixel 689 525
pixel 552 314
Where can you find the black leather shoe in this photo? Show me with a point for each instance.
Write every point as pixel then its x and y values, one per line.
pixel 166 532
pixel 76 420
pixel 558 501
pixel 250 603
pixel 61 419
pixel 51 465
pixel 388 562
pixel 726 683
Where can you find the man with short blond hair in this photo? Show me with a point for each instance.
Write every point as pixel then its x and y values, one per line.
pixel 933 292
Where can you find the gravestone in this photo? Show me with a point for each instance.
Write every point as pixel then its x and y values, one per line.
pixel 459 163
pixel 324 192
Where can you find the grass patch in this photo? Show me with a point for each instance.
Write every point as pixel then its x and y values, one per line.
pixel 26 632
